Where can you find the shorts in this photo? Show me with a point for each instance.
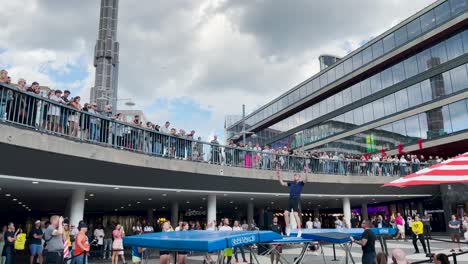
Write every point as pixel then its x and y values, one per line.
pixel 400 228
pixel 294 204
pixel 136 259
pixel 36 249
pixel 53 119
pixel 455 237
pixel 228 252
pixel 278 247
pixel 117 245
pixel 73 118
pixel 164 253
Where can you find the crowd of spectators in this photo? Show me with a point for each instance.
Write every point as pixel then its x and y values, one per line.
pixel 89 123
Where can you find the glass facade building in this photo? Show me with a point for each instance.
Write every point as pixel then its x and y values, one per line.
pixel 400 87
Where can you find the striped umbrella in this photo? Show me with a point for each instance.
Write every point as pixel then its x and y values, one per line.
pixel 450 171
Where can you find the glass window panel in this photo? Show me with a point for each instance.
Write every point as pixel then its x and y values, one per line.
pixel 389 104
pixel 442 13
pixel 368 113
pixel 323 108
pixel 426 91
pixel 376 83
pixel 357 60
pixel 357 114
pixel 387 78
pixel 331 75
pixel 302 92
pixel 339 70
pixel 356 92
pixel 454 46
pixel 316 84
pixel 399 127
pixel 401 36
pixel 348 66
pixel 398 71
pixel 309 88
pixel 349 117
pixel 412 129
pixel 323 80
pixel 315 111
pixel 401 99
pixel 284 102
pixel 424 60
pixel 464 35
pixel 338 100
pixel 411 66
pixel 366 89
pixel 446 120
pixel 347 98
pixel 459 78
pixel 378 106
pixel 377 49
pixel 458 6
pixel 414 28
pixel 441 85
pixel 296 96
pixel 427 21
pixel 367 55
pixel 330 101
pixel 414 95
pixel 290 99
pixel 309 114
pixel 388 43
pixel 439 54
pixel 459 116
pixel 423 125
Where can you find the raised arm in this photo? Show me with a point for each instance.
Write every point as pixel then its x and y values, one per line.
pixel 280 178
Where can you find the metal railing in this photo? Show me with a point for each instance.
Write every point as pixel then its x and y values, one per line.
pixel 30 110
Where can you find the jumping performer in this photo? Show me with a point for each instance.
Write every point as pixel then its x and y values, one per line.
pixel 295 188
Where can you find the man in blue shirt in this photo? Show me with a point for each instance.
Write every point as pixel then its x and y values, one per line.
pixel 295 190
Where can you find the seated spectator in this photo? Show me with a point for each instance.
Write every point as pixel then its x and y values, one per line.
pixel 440 258
pixel 399 257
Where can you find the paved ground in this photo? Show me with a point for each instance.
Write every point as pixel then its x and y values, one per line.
pixel 290 252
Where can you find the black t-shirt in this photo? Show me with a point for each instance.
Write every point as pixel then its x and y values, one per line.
pixel 354 222
pixel 370 245
pixel 35 241
pixel 6 236
pixel 276 228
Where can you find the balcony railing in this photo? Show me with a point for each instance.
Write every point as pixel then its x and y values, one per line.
pixel 32 111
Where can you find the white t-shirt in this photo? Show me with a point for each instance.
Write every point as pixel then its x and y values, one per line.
pixel 99 234
pixel 225 228
pixel 317 224
pixel 177 228
pixel 53 109
pixel 237 228
pixel 309 224
pixel 148 229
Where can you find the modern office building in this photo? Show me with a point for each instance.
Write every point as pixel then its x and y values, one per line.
pixel 404 90
pixel 327 60
pixel 106 57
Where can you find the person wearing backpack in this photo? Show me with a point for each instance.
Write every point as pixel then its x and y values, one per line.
pixel 35 242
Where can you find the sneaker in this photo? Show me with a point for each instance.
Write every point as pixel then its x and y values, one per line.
pixel 299 233
pixel 416 252
pixel 245 261
pixel 288 231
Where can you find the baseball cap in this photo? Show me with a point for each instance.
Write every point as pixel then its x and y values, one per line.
pixel 399 256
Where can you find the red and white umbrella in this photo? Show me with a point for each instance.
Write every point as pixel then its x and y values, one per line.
pixel 450 171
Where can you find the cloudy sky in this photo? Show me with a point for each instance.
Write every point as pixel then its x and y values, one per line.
pixel 191 62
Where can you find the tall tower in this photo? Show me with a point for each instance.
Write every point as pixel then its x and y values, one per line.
pixel 106 57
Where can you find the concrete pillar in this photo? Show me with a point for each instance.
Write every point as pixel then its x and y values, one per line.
pixel 250 212
pixel 150 216
pixel 347 211
pixel 175 213
pixel 76 205
pixel 211 208
pixel 364 214
pixel 261 218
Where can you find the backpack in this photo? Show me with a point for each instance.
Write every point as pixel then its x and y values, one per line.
pixel 20 241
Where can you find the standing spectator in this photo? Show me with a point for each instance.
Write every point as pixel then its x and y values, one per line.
pixel 227 251
pixel 399 257
pixel 338 222
pixel 32 105
pixel 10 237
pixel 400 224
pixel 354 221
pixel 215 151
pixel 403 163
pixel 165 256
pixel 117 246
pixel 81 245
pixel 64 113
pixel 266 157
pixel 248 155
pixel 148 228
pixel 454 230
pixel 137 228
pixel 74 116
pixel 85 121
pixel 257 156
pixel 93 123
pixel 53 112
pixel 317 224
pixel 426 219
pixel 275 227
pixel 367 243
pixel 409 223
pixel 107 241
pixel 309 223
pixel 67 238
pixel 54 239
pixel 465 228
pixel 35 242
pixel 237 227
pixel 417 228
pixel 99 236
pixel 104 124
pixel 3 95
pixel 182 255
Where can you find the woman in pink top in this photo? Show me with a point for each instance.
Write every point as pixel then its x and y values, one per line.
pixel 117 245
pixel 400 224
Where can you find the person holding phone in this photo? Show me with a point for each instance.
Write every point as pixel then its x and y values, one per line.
pixel 117 245
pixel 10 237
pixel 53 237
